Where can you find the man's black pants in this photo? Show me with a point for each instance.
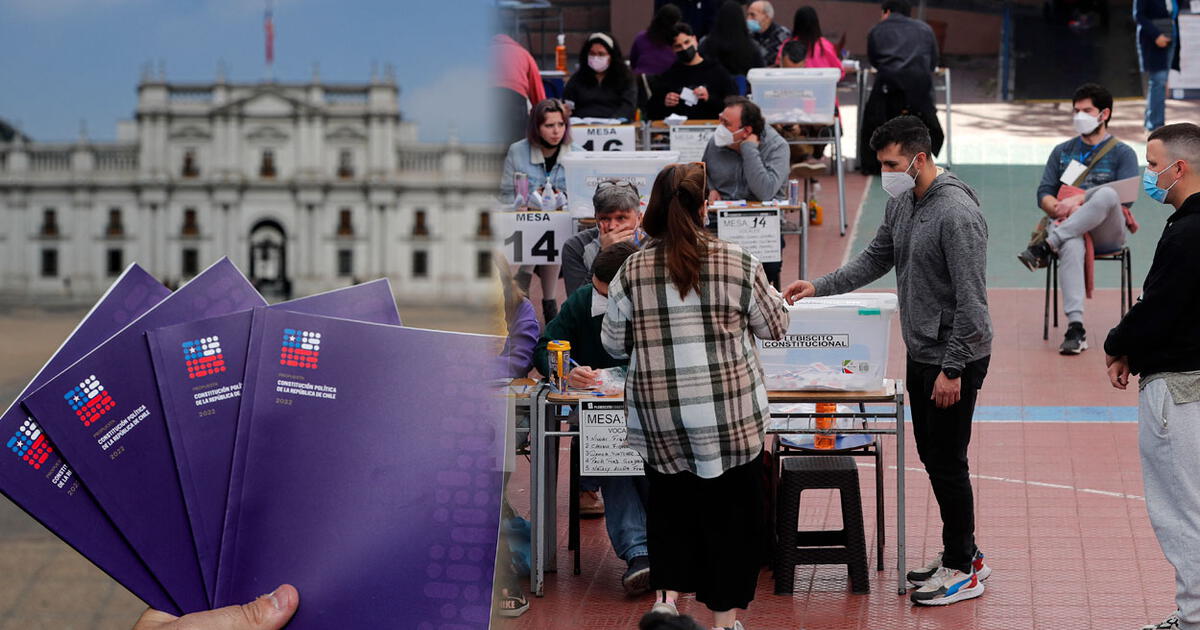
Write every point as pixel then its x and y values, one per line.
pixel 942 437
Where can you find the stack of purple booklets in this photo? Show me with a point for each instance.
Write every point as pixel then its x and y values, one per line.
pixel 202 447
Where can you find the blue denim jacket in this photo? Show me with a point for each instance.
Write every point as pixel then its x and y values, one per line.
pixel 529 160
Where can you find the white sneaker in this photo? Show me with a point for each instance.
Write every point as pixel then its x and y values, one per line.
pixel 918 577
pixel 947 586
pixel 1170 623
pixel 666 608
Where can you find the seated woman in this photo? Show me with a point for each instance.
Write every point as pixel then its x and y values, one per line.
pixel 603 86
pixel 819 52
pixel 807 48
pixel 538 156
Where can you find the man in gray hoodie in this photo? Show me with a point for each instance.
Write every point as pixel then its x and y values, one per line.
pixel 935 236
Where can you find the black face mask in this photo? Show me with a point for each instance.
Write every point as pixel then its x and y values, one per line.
pixel 686 55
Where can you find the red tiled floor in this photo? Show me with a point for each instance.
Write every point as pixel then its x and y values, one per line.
pixel 1092 559
pixel 1059 506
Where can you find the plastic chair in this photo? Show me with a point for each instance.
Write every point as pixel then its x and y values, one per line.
pixel 743 85
pixel 1122 256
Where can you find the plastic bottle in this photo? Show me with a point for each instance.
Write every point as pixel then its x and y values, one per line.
pixel 816 214
pixel 826 424
pixel 560 54
pixel 560 363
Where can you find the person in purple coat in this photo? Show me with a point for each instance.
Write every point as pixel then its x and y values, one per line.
pixel 651 52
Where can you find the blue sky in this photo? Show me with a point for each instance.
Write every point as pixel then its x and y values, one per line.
pixel 66 60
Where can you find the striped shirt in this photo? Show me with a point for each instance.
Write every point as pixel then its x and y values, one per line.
pixel 695 397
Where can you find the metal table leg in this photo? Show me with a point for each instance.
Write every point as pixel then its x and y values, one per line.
pixel 537 449
pixel 900 542
pixel 841 171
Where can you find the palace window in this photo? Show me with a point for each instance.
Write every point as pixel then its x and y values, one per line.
pixel 485 224
pixel 345 227
pixel 419 226
pixel 345 164
pixel 420 264
pixel 114 262
pixel 49 263
pixel 49 222
pixel 191 167
pixel 191 262
pixel 267 166
pixel 190 226
pixel 115 227
pixel 345 263
pixel 483 264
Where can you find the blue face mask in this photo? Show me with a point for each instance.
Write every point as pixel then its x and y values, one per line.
pixel 753 25
pixel 1150 184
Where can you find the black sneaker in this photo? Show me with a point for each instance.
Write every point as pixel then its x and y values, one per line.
pixel 637 577
pixel 1075 341
pixel 1035 256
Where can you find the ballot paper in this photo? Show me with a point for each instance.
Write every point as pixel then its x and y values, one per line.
pixel 199 367
pixel 105 415
pixel 371 478
pixel 34 475
pixel 688 97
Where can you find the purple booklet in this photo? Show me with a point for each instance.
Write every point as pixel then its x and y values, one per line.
pixel 38 480
pixel 371 476
pixel 199 366
pixel 104 413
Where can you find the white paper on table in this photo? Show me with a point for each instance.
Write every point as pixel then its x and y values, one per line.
pixel 1127 189
pixel 675 119
pixel 688 97
pixel 596 121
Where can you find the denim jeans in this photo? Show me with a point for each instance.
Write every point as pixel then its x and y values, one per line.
pixel 1156 99
pixel 625 514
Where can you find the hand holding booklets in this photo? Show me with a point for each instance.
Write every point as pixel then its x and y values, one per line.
pixel 202 449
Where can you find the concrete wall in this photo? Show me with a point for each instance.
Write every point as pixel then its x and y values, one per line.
pixel 966 33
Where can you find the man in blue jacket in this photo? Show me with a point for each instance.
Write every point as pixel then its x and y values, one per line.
pixel 1158 339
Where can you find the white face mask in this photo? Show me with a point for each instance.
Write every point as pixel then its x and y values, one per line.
pixel 599 303
pixel 722 137
pixel 900 182
pixel 599 63
pixel 1085 123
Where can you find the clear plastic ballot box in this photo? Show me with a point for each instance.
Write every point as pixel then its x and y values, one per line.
pixel 795 95
pixel 585 170
pixel 838 342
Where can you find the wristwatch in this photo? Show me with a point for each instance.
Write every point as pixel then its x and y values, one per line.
pixel 951 372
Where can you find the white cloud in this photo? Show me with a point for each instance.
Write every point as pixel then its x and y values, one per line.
pixel 460 99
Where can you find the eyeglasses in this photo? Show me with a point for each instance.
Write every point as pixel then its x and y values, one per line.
pixel 619 183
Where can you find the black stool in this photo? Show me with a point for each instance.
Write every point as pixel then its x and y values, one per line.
pixel 845 546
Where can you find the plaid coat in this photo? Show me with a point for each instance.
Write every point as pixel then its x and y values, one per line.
pixel 695 396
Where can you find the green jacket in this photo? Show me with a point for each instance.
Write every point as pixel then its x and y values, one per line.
pixel 575 324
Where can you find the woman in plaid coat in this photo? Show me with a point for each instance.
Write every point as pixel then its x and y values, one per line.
pixel 683 311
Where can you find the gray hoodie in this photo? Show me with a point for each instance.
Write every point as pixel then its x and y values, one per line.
pixel 939 249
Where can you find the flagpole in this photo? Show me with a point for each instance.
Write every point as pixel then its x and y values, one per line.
pixel 269 33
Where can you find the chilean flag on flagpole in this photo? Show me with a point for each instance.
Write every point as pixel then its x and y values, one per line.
pixel 269 28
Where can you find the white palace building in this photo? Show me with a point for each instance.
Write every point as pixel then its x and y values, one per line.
pixel 305 186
